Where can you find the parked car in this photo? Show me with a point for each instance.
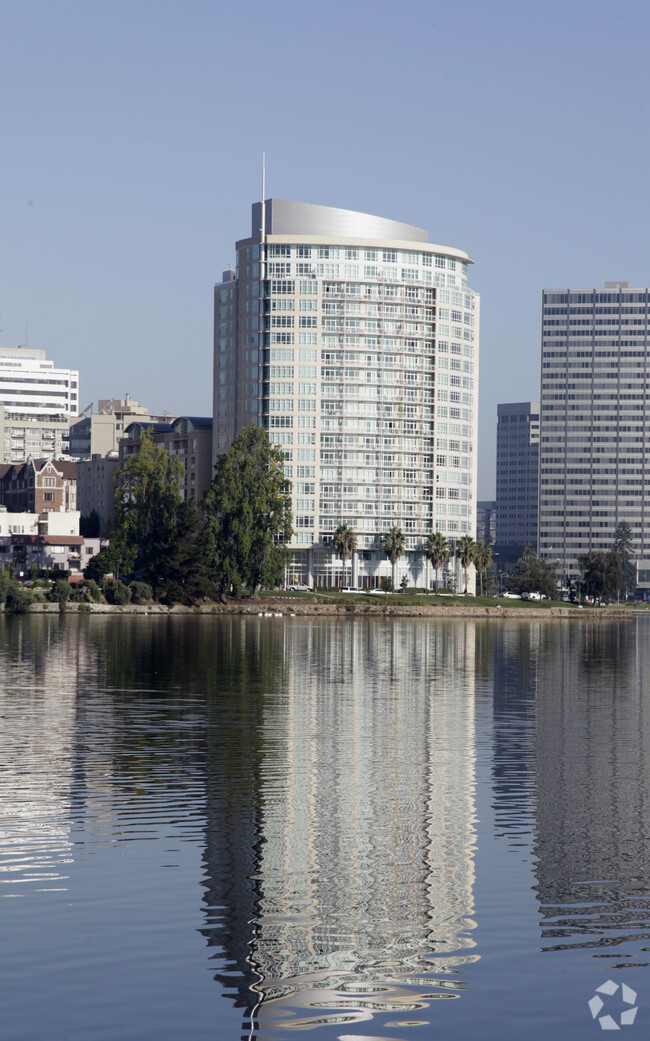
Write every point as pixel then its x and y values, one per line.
pixel 510 596
pixel 298 587
pixel 350 589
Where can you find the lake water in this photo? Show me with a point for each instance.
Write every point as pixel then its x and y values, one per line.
pixel 288 828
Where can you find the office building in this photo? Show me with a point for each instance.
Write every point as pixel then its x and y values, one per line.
pixel 37 402
pixel 595 423
pixel 517 478
pixel 354 342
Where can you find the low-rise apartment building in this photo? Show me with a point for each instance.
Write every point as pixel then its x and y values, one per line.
pixel 188 439
pixel 45 540
pixel 39 486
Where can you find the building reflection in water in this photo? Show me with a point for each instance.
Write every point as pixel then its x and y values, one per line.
pixel 593 790
pixel 571 776
pixel 514 650
pixel 341 829
pixel 38 673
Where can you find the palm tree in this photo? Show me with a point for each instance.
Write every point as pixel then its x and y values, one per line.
pixel 437 551
pixel 465 548
pixel 393 546
pixel 482 559
pixel 345 543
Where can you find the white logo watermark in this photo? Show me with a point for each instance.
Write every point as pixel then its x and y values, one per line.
pixel 626 997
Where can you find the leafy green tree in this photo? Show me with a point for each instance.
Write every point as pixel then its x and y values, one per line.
pixel 344 542
pixel 482 559
pixel 147 502
pixel 602 573
pixel 438 552
pixel 393 546
pixel 533 575
pixel 106 562
pixel 623 540
pixel 248 514
pixel 465 549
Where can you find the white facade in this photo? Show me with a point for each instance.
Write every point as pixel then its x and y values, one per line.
pixel 38 523
pixel 36 403
pixel 354 342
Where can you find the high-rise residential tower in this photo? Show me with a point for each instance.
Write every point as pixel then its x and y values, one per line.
pixel 354 342
pixel 595 422
pixel 517 477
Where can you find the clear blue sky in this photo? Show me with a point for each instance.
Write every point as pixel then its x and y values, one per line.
pixel 131 139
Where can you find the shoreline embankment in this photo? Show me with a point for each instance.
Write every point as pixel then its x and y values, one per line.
pixel 270 606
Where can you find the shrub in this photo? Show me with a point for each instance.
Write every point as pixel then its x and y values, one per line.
pixel 5 583
pixel 87 592
pixel 116 592
pixel 140 592
pixel 92 590
pixel 18 600
pixel 59 592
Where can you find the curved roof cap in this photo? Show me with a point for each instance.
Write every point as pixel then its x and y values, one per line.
pixel 304 218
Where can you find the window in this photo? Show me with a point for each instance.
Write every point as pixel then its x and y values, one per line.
pixel 279 269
